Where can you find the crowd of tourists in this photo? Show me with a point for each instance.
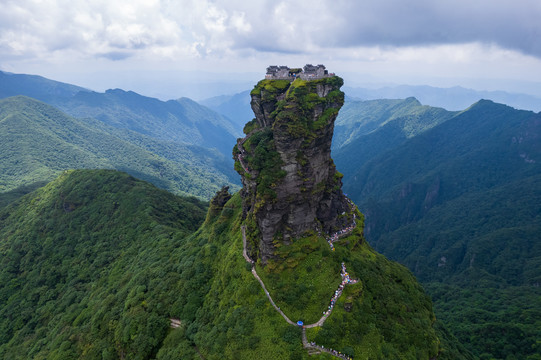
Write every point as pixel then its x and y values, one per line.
pixel 345 276
pixel 242 153
pixel 336 236
pixel 331 351
pixel 346 279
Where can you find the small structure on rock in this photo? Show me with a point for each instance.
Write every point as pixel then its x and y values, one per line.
pixel 308 72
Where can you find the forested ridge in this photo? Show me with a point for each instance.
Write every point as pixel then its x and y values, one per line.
pixel 458 204
pixel 39 141
pixel 88 267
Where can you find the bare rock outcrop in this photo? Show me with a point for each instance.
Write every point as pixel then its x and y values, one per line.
pixel 290 183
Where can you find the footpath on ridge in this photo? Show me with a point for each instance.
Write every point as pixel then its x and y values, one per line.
pixel 312 348
pixel 240 143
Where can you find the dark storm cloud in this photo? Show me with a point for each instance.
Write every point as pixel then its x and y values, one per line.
pixel 513 25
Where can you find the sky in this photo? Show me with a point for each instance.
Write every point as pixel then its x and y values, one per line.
pixel 173 48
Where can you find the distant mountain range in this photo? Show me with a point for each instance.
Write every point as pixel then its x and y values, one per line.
pixel 454 98
pixel 36 87
pixel 237 107
pixel 178 145
pixel 38 141
pixel 455 196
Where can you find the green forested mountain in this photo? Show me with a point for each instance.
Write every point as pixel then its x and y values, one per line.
pixel 38 141
pixel 99 265
pixel 359 118
pixel 376 126
pixel 89 267
pixel 459 204
pixel 182 120
pixel 96 263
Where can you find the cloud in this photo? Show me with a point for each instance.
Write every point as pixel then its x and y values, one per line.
pixel 507 24
pixel 221 29
pixel 43 28
pixel 307 25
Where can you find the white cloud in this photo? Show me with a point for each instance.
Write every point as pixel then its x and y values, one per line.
pixel 135 26
pixel 384 37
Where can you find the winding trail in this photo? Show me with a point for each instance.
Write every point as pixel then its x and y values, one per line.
pixel 312 348
pixel 240 146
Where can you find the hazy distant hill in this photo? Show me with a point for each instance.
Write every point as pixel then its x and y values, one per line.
pixel 235 107
pixel 454 98
pixel 182 120
pixel 38 141
pixel 36 87
pixel 460 205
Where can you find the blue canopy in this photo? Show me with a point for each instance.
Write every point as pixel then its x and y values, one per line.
pixel 300 323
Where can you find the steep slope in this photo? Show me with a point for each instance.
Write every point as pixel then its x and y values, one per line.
pixel 290 181
pixel 384 315
pixel 89 267
pixel 459 205
pixel 376 126
pixel 486 145
pixel 38 141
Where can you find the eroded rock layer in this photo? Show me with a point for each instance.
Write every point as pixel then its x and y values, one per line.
pixel 290 183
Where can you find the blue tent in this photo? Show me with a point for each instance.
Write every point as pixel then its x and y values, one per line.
pixel 300 323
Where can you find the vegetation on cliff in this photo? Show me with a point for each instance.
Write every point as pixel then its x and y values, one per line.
pixel 285 163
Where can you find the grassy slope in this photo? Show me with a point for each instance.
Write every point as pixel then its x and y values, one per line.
pixel 38 141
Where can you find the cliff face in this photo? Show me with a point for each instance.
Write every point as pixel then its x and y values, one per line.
pixel 290 183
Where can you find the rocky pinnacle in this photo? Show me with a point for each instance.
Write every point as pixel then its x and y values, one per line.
pixel 290 183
